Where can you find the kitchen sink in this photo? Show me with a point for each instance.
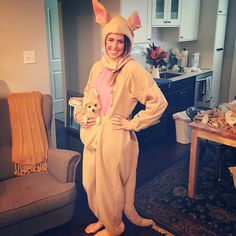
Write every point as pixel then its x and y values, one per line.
pixel 169 75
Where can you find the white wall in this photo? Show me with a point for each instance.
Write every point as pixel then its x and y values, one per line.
pixel 82 40
pixel 78 44
pixel 22 28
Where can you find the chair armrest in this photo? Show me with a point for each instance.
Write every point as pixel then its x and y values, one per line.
pixel 63 164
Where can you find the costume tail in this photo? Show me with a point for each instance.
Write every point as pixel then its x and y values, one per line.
pixel 135 218
pixel 132 214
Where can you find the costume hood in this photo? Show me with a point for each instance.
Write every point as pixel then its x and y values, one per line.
pixel 117 25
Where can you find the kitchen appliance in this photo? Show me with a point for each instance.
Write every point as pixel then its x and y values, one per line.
pixel 218 58
pixel 203 90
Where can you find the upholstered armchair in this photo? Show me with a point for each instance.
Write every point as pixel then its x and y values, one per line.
pixel 35 202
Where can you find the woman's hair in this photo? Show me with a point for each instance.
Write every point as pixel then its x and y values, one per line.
pixel 127 43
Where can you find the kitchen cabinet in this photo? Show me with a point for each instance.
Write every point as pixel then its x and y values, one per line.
pixel 189 23
pixel 179 95
pixel 143 34
pixel 166 13
pixel 190 10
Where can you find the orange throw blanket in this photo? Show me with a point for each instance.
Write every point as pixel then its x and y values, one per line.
pixel 29 138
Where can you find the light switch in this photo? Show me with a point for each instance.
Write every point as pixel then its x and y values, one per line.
pixel 29 57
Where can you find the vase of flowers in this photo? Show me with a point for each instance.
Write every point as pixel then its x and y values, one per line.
pixel 155 57
pixel 174 58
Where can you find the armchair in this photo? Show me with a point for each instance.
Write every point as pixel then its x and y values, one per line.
pixel 35 202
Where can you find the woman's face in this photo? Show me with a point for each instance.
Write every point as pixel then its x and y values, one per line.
pixel 115 45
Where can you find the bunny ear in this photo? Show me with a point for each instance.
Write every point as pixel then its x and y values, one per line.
pixel 75 101
pixel 102 15
pixel 134 20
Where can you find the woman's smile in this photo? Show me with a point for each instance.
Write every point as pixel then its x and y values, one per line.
pixel 115 45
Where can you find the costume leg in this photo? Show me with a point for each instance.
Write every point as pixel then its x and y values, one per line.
pixel 105 232
pixel 89 183
pixel 110 192
pixel 89 176
pixel 129 189
pixel 130 210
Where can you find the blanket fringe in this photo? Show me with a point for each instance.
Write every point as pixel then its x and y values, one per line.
pixel 23 169
pixel 161 230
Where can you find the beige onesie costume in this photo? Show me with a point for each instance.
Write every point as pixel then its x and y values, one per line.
pixel 109 165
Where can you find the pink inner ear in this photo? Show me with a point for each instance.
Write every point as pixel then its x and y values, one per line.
pixel 100 12
pixel 136 19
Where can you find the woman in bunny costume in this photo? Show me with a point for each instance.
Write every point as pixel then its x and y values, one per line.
pixel 109 163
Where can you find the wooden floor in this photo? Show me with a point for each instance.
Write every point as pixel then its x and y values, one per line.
pixel 153 160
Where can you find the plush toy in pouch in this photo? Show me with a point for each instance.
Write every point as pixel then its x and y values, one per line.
pixel 87 107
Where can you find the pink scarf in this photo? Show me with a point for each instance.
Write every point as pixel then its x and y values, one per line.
pixel 103 85
pixel 105 80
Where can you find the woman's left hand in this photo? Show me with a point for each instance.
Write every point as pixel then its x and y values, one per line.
pixel 120 123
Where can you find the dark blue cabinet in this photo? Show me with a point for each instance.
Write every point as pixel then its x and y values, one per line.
pixel 180 96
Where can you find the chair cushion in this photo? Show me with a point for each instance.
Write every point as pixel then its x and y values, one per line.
pixel 5 127
pixel 32 195
pixel 6 164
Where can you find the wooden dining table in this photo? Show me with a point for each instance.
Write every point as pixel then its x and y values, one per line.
pixel 202 131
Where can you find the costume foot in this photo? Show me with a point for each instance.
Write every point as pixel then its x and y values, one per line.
pixel 120 229
pixel 93 228
pixel 103 232
pixel 147 222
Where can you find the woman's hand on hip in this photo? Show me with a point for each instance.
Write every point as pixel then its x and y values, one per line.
pixel 120 122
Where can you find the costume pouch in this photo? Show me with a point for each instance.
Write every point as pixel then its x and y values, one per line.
pixel 89 137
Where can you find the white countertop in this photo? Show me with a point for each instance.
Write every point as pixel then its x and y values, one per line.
pixel 184 75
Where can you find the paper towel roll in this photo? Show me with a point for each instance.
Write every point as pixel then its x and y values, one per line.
pixel 184 58
pixel 195 59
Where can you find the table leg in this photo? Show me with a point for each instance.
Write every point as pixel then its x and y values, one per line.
pixel 193 164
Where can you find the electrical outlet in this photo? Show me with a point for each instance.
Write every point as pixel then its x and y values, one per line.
pixel 29 57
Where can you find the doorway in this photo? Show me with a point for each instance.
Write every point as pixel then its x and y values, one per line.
pixel 74 43
pixel 57 87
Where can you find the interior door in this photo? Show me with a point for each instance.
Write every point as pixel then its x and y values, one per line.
pixel 54 54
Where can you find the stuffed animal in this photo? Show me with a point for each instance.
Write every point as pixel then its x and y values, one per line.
pixel 87 107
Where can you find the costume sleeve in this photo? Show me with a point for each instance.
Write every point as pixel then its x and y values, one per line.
pixel 146 91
